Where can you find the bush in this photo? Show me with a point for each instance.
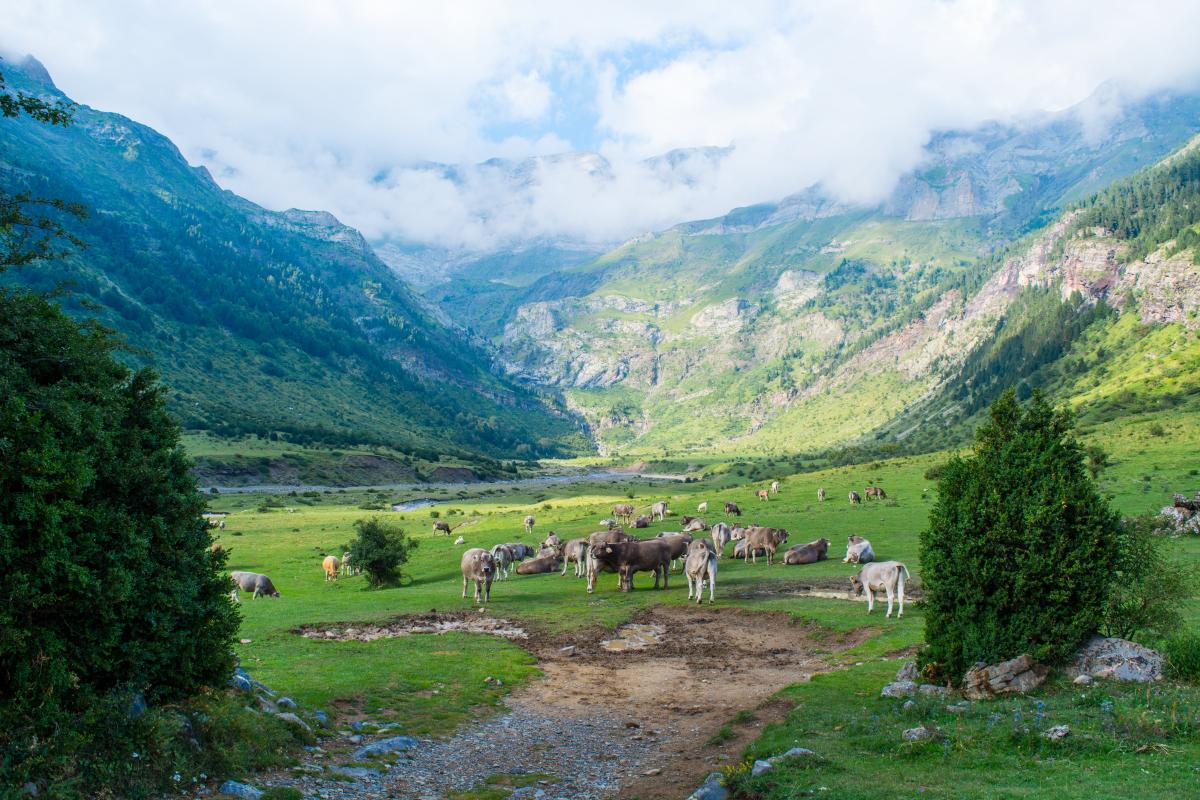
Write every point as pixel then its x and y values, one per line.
pixel 1146 586
pixel 108 582
pixel 935 472
pixel 1183 656
pixel 380 550
pixel 1014 559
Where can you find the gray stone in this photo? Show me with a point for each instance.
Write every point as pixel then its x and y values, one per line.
pixel 262 687
pixel 321 717
pixel 909 705
pixel 390 745
pixel 1118 660
pixel 357 725
pixel 761 766
pixel 1058 733
pixel 711 789
pixel 286 702
pixel 908 672
pixel 1083 680
pixel 242 790
pixel 291 719
pixel 356 772
pixel 356 738
pixel 241 683
pixel 920 734
pixel 899 689
pixel 929 688
pixel 1015 676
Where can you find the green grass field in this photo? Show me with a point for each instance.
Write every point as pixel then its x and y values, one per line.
pixel 430 684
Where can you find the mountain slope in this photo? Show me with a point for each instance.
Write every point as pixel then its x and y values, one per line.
pixel 260 321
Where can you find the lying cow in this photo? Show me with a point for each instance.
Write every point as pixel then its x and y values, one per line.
pixel 886 575
pixel 629 558
pixel 642 522
pixel 858 551
pixel 536 566
pixel 768 539
pixel 699 566
pixel 809 553
pixel 254 582
pixel 331 565
pixel 739 549
pixel 520 550
pixel 575 551
pixel 694 525
pixel 478 566
pixel 721 536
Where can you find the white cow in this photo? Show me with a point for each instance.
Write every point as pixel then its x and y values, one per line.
pixel 701 565
pixel 886 575
pixel 721 536
pixel 529 521
pixel 858 551
pixel 702 508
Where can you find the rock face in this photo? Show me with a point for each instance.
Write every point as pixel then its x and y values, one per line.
pixel 1015 676
pixel 908 672
pixel 899 689
pixel 1117 659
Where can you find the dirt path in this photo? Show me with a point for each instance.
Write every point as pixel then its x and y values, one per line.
pixel 633 723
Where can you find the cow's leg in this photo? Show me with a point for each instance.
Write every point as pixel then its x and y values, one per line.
pixel 487 590
pixel 870 600
pixel 890 593
pixel 666 576
pixel 464 587
pixel 712 581
pixel 900 593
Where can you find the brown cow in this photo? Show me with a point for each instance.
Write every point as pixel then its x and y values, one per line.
pixel 875 492
pixel 739 549
pixel 763 494
pixel 629 558
pixel 331 564
pixel 593 567
pixel 444 527
pixel 642 522
pixel 679 544
pixel 768 539
pixel 536 566
pixel 477 566
pixel 732 508
pixel 693 524
pixel 623 512
pixel 809 553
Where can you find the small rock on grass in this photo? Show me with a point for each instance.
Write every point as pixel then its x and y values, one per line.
pixel 391 745
pixel 1058 733
pixel 908 672
pixel 711 789
pixel 919 734
pixel 242 790
pixel 899 689
pixel 1083 680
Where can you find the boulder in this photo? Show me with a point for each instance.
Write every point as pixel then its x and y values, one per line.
pixel 908 672
pixel 321 717
pixel 241 683
pixel 383 746
pixel 711 789
pixel 899 689
pixel 1083 680
pixel 761 766
pixel 242 790
pixel 286 702
pixel 931 689
pixel 291 719
pixel 921 734
pixel 1058 733
pixel 1118 660
pixel 1015 676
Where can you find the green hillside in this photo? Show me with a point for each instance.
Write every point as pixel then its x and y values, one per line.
pixel 284 325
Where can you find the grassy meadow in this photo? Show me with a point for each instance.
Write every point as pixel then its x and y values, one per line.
pixel 430 684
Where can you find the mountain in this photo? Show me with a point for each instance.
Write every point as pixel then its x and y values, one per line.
pixel 808 324
pixel 282 324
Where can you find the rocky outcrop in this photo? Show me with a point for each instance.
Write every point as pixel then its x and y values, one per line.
pixel 1117 659
pixel 1015 676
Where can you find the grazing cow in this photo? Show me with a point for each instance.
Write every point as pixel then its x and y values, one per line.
pixel 477 566
pixel 763 494
pixel 679 544
pixel 855 498
pixel 858 551
pixel 732 508
pixel 875 492
pixel 575 551
pixel 629 558
pixel 821 495
pixel 331 564
pixel 886 575
pixel 502 559
pixel 623 512
pixel 768 539
pixel 256 583
pixel 536 566
pixel 529 520
pixel 659 510
pixel 721 536
pixel 702 508
pixel 642 522
pixel 699 566
pixel 774 487
pixel 521 551
pixel 444 527
pixel 693 524
pixel 809 553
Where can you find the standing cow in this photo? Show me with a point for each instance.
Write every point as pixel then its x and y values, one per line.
pixel 503 558
pixel 478 566
pixel 855 498
pixel 258 584
pixel 331 566
pixel 821 495
pixel 721 536
pixel 699 566
pixel 886 575
pixel 732 508
pixel 623 512
pixel 529 520
pixel 774 487
pixel 763 494
pixel 702 508
pixel 575 551
pixel 659 510
pixel 768 539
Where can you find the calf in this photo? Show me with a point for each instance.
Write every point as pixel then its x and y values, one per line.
pixel 809 553
pixel 858 551
pixel 502 558
pixel 768 539
pixel 642 522
pixel 721 536
pixel 702 508
pixel 629 558
pixel 575 551
pixel 536 566
pixel 732 508
pixel 529 520
pixel 763 494
pixel 254 582
pixel 331 566
pixel 886 575
pixel 699 566
pixel 478 566
pixel 855 498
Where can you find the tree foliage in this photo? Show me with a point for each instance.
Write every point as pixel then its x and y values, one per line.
pixel 380 550
pixel 1147 587
pixel 1019 550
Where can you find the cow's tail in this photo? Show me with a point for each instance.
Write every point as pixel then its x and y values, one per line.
pixel 904 572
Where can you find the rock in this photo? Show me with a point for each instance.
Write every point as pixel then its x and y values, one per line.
pixel 1015 676
pixel 241 683
pixel 650 773
pixel 958 708
pixel 1058 733
pixel 908 672
pixel 137 706
pixel 390 745
pixel 793 753
pixel 242 790
pixel 761 766
pixel 1083 680
pixel 711 789
pixel 267 705
pixel 321 717
pixel 262 687
pixel 1117 659
pixel 899 689
pixel 286 702
pixel 569 650
pixel 291 719
pixel 357 725
pixel 355 738
pixel 920 734
pixel 929 688
pixel 909 705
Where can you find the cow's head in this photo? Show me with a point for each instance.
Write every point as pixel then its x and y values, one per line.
pixel 856 586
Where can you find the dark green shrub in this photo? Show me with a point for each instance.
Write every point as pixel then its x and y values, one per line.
pixel 935 472
pixel 381 549
pixel 1183 656
pixel 1146 586
pixel 1018 553
pixel 107 583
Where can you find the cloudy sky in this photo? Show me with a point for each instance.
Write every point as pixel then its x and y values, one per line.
pixel 342 105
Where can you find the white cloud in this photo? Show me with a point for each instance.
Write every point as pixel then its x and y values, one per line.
pixel 309 104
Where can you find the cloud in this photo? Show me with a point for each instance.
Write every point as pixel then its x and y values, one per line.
pixel 343 106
